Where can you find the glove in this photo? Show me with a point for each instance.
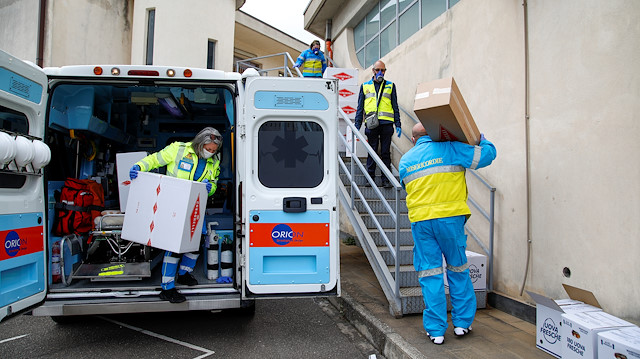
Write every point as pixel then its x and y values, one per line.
pixel 296 65
pixel 482 138
pixel 133 172
pixel 399 131
pixel 208 185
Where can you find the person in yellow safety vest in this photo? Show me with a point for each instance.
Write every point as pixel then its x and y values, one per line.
pixel 433 175
pixel 198 160
pixel 379 96
pixel 312 61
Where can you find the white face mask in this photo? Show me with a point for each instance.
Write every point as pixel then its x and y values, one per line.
pixel 206 154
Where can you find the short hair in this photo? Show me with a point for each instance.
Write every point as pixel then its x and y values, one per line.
pixel 314 42
pixel 205 136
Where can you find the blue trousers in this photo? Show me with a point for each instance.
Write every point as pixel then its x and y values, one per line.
pixel 432 239
pixel 380 135
pixel 170 267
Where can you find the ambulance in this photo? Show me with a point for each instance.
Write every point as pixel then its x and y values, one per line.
pixel 269 231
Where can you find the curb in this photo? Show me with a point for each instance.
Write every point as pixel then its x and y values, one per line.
pixel 379 334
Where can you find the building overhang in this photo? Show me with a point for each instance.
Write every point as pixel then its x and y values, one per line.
pixel 258 38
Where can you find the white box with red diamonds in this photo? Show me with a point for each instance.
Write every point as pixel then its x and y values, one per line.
pixel 165 212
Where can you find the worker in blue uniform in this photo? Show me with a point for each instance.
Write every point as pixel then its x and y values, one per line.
pixel 312 61
pixel 433 174
pixel 198 160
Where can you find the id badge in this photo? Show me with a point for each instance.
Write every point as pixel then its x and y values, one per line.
pixel 185 166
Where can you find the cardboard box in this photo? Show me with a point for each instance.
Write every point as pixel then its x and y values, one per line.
pixel 444 114
pixel 165 212
pixel 348 93
pixel 345 76
pixel 360 150
pixel 124 162
pixel 579 332
pixel 549 316
pixel 621 343
pixel 477 270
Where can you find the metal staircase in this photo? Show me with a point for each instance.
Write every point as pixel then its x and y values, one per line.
pixel 379 217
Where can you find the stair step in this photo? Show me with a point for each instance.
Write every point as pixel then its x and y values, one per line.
pixel 386 221
pixel 413 303
pixel 405 256
pixel 405 237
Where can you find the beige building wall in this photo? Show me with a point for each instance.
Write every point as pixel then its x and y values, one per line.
pixel 182 34
pixel 13 16
pixel 583 178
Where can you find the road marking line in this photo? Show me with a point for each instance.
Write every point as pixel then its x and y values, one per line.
pixel 207 352
pixel 14 338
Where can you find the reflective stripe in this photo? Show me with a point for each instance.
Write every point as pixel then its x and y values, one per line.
pixel 171 260
pixel 430 272
pixel 477 150
pixel 430 171
pixel 370 94
pixel 186 268
pixel 173 171
pixel 167 279
pixel 193 256
pixel 385 114
pixel 459 269
pixel 387 95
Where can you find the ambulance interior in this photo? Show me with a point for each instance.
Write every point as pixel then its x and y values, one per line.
pixel 88 126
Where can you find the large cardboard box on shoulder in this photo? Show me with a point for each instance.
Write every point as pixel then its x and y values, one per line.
pixel 443 112
pixel 165 212
pixel 549 316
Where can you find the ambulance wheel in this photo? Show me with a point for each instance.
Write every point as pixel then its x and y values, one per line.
pixel 247 308
pixel 64 319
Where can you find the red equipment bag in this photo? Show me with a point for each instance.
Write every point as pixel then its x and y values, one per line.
pixel 79 203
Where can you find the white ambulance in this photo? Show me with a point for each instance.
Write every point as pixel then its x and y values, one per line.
pixel 273 217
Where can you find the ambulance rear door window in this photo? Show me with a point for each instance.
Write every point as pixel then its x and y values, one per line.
pixel 290 154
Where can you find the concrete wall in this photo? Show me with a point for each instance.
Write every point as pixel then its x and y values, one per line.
pixel 182 34
pixel 102 26
pixel 583 172
pixel 20 19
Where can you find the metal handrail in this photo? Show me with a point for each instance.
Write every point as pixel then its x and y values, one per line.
pixel 394 248
pixel 285 67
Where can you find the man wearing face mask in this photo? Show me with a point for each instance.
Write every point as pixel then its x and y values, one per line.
pixel 312 61
pixel 378 96
pixel 198 160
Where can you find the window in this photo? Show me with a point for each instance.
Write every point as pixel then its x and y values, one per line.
pixel 290 154
pixel 211 54
pixel 151 24
pixel 390 22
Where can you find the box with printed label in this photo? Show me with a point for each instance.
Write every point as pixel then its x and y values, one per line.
pixel 124 162
pixel 549 312
pixel 621 343
pixel 165 212
pixel 345 76
pixel 349 108
pixel 349 94
pixel 477 270
pixel 579 332
pixel 360 150
pixel 443 112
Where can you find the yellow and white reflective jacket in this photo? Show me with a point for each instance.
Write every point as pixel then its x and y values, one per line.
pixel 433 175
pixel 181 162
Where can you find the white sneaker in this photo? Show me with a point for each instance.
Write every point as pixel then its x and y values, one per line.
pixel 459 331
pixel 436 340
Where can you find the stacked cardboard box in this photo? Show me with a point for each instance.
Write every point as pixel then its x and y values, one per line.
pixel 348 90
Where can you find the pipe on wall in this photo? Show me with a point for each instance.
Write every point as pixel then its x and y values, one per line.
pixel 41 24
pixel 527 140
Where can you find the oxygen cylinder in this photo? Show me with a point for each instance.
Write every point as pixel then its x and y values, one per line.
pixel 226 255
pixel 55 263
pixel 212 252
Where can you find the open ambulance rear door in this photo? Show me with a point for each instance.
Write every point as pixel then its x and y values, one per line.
pixel 288 143
pixel 23 257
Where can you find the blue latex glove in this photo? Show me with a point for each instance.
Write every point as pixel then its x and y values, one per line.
pixel 399 131
pixel 224 280
pixel 133 172
pixel 208 185
pixel 482 138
